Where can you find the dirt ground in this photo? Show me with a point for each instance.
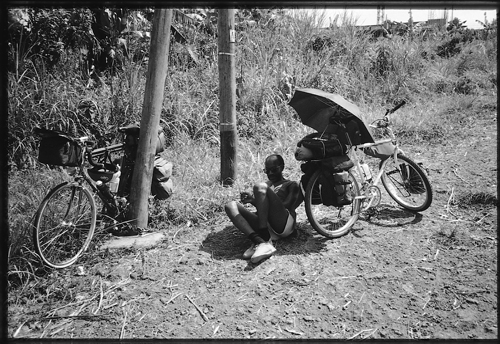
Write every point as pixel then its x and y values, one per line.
pixel 396 275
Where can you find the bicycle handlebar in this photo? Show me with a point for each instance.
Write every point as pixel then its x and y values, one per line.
pixel 91 161
pixel 395 108
pixel 91 154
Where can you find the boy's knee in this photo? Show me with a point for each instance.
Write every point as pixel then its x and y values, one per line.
pixel 260 188
pixel 230 207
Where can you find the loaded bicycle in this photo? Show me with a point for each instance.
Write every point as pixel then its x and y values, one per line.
pixel 66 219
pixel 404 180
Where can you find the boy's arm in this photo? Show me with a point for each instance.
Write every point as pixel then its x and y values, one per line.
pixel 294 196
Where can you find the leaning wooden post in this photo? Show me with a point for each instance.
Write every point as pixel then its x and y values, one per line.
pixel 227 96
pixel 150 120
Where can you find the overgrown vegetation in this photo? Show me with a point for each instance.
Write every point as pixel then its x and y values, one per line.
pixel 69 77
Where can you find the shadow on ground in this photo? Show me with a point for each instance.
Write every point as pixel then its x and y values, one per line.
pixel 387 216
pixel 229 243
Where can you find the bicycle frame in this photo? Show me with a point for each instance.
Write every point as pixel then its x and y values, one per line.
pixel 354 157
pixel 374 181
pixel 88 154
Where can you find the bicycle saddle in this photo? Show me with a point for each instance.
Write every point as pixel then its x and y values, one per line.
pixel 130 129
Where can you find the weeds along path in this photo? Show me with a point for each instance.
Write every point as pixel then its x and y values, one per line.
pixel 395 275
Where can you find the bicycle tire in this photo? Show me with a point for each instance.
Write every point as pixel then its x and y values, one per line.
pixel 64 224
pixel 323 218
pixel 411 190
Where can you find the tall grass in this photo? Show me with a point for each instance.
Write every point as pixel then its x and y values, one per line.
pixel 374 74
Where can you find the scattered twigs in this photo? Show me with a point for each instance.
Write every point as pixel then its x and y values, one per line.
pixel 18 329
pixel 83 316
pixel 123 325
pixel 45 329
pixel 437 252
pixel 172 298
pixel 455 172
pixel 426 302
pixel 448 204
pixel 370 334
pixel 109 306
pixel 215 330
pixel 424 268
pixel 180 246
pixel 481 219
pixel 294 331
pixel 449 199
pixel 81 308
pixel 100 298
pixel 347 304
pixel 198 308
pixel 456 301
pixel 362 331
pixel 361 298
pixel 455 306
pixel 80 304
pixel 241 297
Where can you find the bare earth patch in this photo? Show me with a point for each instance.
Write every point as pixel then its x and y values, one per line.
pixel 395 275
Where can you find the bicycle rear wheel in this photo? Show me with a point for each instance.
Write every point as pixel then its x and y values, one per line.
pixel 64 224
pixel 406 183
pixel 330 221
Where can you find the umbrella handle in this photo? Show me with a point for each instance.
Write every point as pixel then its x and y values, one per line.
pixel 334 121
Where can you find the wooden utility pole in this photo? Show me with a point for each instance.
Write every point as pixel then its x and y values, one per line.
pixel 150 120
pixel 227 96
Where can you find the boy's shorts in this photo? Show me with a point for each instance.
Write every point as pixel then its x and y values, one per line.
pixel 289 227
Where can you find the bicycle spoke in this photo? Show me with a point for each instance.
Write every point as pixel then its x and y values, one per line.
pixel 406 183
pixel 399 186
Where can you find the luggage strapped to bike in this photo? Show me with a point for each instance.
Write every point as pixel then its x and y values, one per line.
pixel 58 148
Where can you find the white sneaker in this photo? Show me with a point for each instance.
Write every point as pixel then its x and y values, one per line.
pixel 263 251
pixel 249 253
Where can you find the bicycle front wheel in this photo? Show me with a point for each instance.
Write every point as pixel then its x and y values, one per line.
pixel 64 224
pixel 406 183
pixel 331 221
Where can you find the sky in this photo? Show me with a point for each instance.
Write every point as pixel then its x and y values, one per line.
pixel 369 16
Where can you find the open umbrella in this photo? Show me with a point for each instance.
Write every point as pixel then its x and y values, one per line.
pixel 320 110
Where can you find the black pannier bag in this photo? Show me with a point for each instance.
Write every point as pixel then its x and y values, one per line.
pixel 320 147
pixel 57 148
pixel 337 163
pixel 308 169
pixel 335 188
pixel 333 191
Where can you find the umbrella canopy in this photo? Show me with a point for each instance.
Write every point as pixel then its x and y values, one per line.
pixel 317 109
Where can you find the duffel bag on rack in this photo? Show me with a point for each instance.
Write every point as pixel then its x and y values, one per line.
pixel 58 148
pixel 132 133
pixel 381 151
pixel 316 146
pixel 162 185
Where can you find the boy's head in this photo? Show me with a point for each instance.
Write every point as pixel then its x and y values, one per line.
pixel 274 166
